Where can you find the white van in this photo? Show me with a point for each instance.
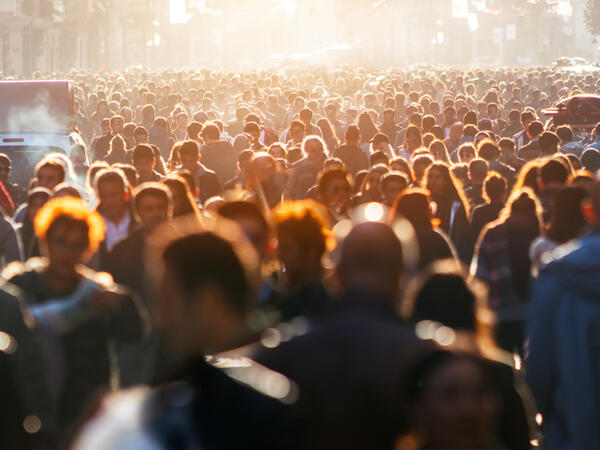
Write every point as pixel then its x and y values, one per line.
pixel 36 119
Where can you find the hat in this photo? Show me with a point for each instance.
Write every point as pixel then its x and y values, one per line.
pixel 379 137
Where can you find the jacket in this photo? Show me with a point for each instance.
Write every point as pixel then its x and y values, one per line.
pixel 202 408
pixel 563 368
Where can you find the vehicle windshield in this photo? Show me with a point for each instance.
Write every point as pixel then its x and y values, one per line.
pixel 24 159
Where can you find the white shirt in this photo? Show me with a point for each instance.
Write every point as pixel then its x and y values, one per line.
pixel 116 232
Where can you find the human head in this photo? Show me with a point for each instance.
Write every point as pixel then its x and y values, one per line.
pixel 302 237
pixel 565 134
pixel 568 219
pixel 297 131
pixel 478 169
pixel 153 205
pixel 488 150
pixel 451 401
pixel 494 188
pixel 49 172
pixel 143 159
pixel 252 221
pixel 189 154
pixel 210 132
pixel 112 190
pixel 466 153
pixel 5 167
pixel 392 184
pixel 335 187
pixel 140 135
pixel 69 232
pixel 548 143
pixel 182 195
pixel 352 135
pixel 371 260
pixel 551 173
pixel 314 148
pixel 413 205
pixel 116 124
pixel 534 129
pixel 208 280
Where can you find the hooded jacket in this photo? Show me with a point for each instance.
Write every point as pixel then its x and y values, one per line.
pixel 563 367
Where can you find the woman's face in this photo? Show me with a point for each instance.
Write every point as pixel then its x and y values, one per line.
pixel 436 183
pixel 457 409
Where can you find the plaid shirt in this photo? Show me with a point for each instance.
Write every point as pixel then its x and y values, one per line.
pixel 492 264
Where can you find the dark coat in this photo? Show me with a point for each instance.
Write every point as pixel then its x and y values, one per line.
pixel 348 368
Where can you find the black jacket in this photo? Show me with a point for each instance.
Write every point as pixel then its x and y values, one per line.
pixel 348 367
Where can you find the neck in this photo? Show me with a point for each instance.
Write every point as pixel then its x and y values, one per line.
pixel 118 216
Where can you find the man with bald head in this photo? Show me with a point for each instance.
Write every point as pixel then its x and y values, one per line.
pixel 563 366
pixel 347 365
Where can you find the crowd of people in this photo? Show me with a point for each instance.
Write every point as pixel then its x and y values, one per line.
pixel 306 258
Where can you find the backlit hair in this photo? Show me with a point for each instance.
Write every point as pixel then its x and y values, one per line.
pixel 70 211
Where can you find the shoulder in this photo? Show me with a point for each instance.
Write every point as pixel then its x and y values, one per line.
pixel 120 424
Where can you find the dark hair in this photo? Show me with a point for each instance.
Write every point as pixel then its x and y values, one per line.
pixel 142 152
pixel 205 259
pixel 478 168
pixel 535 128
pixel 304 227
pixel 328 176
pixel 177 183
pixel 455 192
pixel 4 158
pixel 547 140
pixel 352 133
pixel 189 147
pixel 565 133
pixel 241 208
pixel 445 298
pixel 489 150
pixel 553 171
pixel 378 157
pixel 567 220
pixel 193 129
pixel 494 186
pixel 413 205
pixel 210 131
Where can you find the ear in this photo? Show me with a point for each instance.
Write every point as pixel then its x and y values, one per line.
pixel 127 195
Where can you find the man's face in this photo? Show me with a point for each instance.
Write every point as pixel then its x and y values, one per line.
pixel 105 127
pixel 388 118
pixel 48 177
pixel 152 211
pixel 116 125
pixel 112 199
pixel 4 172
pixel 65 248
pixel 314 151
pixel 492 113
pixel 144 166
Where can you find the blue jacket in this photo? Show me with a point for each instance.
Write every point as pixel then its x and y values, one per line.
pixel 563 366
